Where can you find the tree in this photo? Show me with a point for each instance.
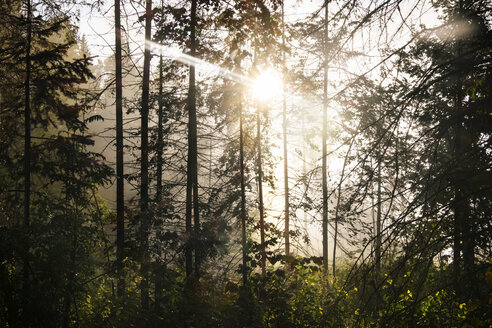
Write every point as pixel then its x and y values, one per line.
pixel 286 166
pixel 144 160
pixel 120 205
pixel 27 148
pixel 456 102
pixel 62 214
pixel 323 141
pixel 192 204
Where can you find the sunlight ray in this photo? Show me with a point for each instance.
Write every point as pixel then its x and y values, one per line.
pixel 204 65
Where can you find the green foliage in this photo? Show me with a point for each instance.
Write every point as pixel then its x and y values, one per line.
pixel 47 261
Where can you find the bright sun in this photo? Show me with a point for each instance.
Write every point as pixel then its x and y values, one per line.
pixel 267 85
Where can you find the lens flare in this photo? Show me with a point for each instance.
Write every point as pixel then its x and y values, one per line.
pixel 267 85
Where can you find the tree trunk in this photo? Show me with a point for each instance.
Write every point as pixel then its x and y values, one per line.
pixel 27 158
pixel 304 169
pixel 324 154
pixel 464 243
pixel 160 137
pixel 158 197
pixel 284 126
pixel 377 250
pixel 192 170
pixel 260 196
pixel 337 209
pixel 120 202
pixel 244 269
pixel 464 239
pixel 243 197
pixel 144 168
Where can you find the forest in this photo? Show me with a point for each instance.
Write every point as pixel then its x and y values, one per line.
pixel 245 163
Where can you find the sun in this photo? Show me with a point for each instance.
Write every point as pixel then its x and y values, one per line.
pixel 267 85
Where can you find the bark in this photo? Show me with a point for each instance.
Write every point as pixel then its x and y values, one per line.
pixel 244 269
pixel 120 203
pixel 192 205
pixel 337 209
pixel 243 198
pixel 144 164
pixel 158 198
pixel 377 250
pixel 160 137
pixel 260 197
pixel 284 126
pixel 27 156
pixel 464 239
pixel 324 153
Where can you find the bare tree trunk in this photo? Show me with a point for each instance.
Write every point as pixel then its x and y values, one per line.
pixel 158 198
pixel 260 196
pixel 189 203
pixel 373 217
pixel 192 174
pixel 244 269
pixel 27 158
pixel 337 209
pixel 120 202
pixel 243 194
pixel 69 293
pixel 144 161
pixel 304 168
pixel 464 243
pixel 324 153
pixel 458 206
pixel 284 126
pixel 160 137
pixel 464 239
pixel 378 220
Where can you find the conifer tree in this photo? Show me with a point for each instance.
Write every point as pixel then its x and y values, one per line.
pixel 62 215
pixel 120 205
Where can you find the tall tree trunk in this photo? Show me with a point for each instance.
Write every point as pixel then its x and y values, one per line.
pixel 464 240
pixel 464 243
pixel 69 290
pixel 160 136
pixel 337 209
pixel 324 153
pixel 158 198
pixel 259 162
pixel 260 195
pixel 192 170
pixel 377 250
pixel 458 209
pixel 304 168
pixel 144 168
pixel 284 126
pixel 244 269
pixel 373 217
pixel 243 196
pixel 27 160
pixel 120 202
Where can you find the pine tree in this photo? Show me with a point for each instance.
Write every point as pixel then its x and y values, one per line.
pixel 120 202
pixel 62 216
pixel 144 160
